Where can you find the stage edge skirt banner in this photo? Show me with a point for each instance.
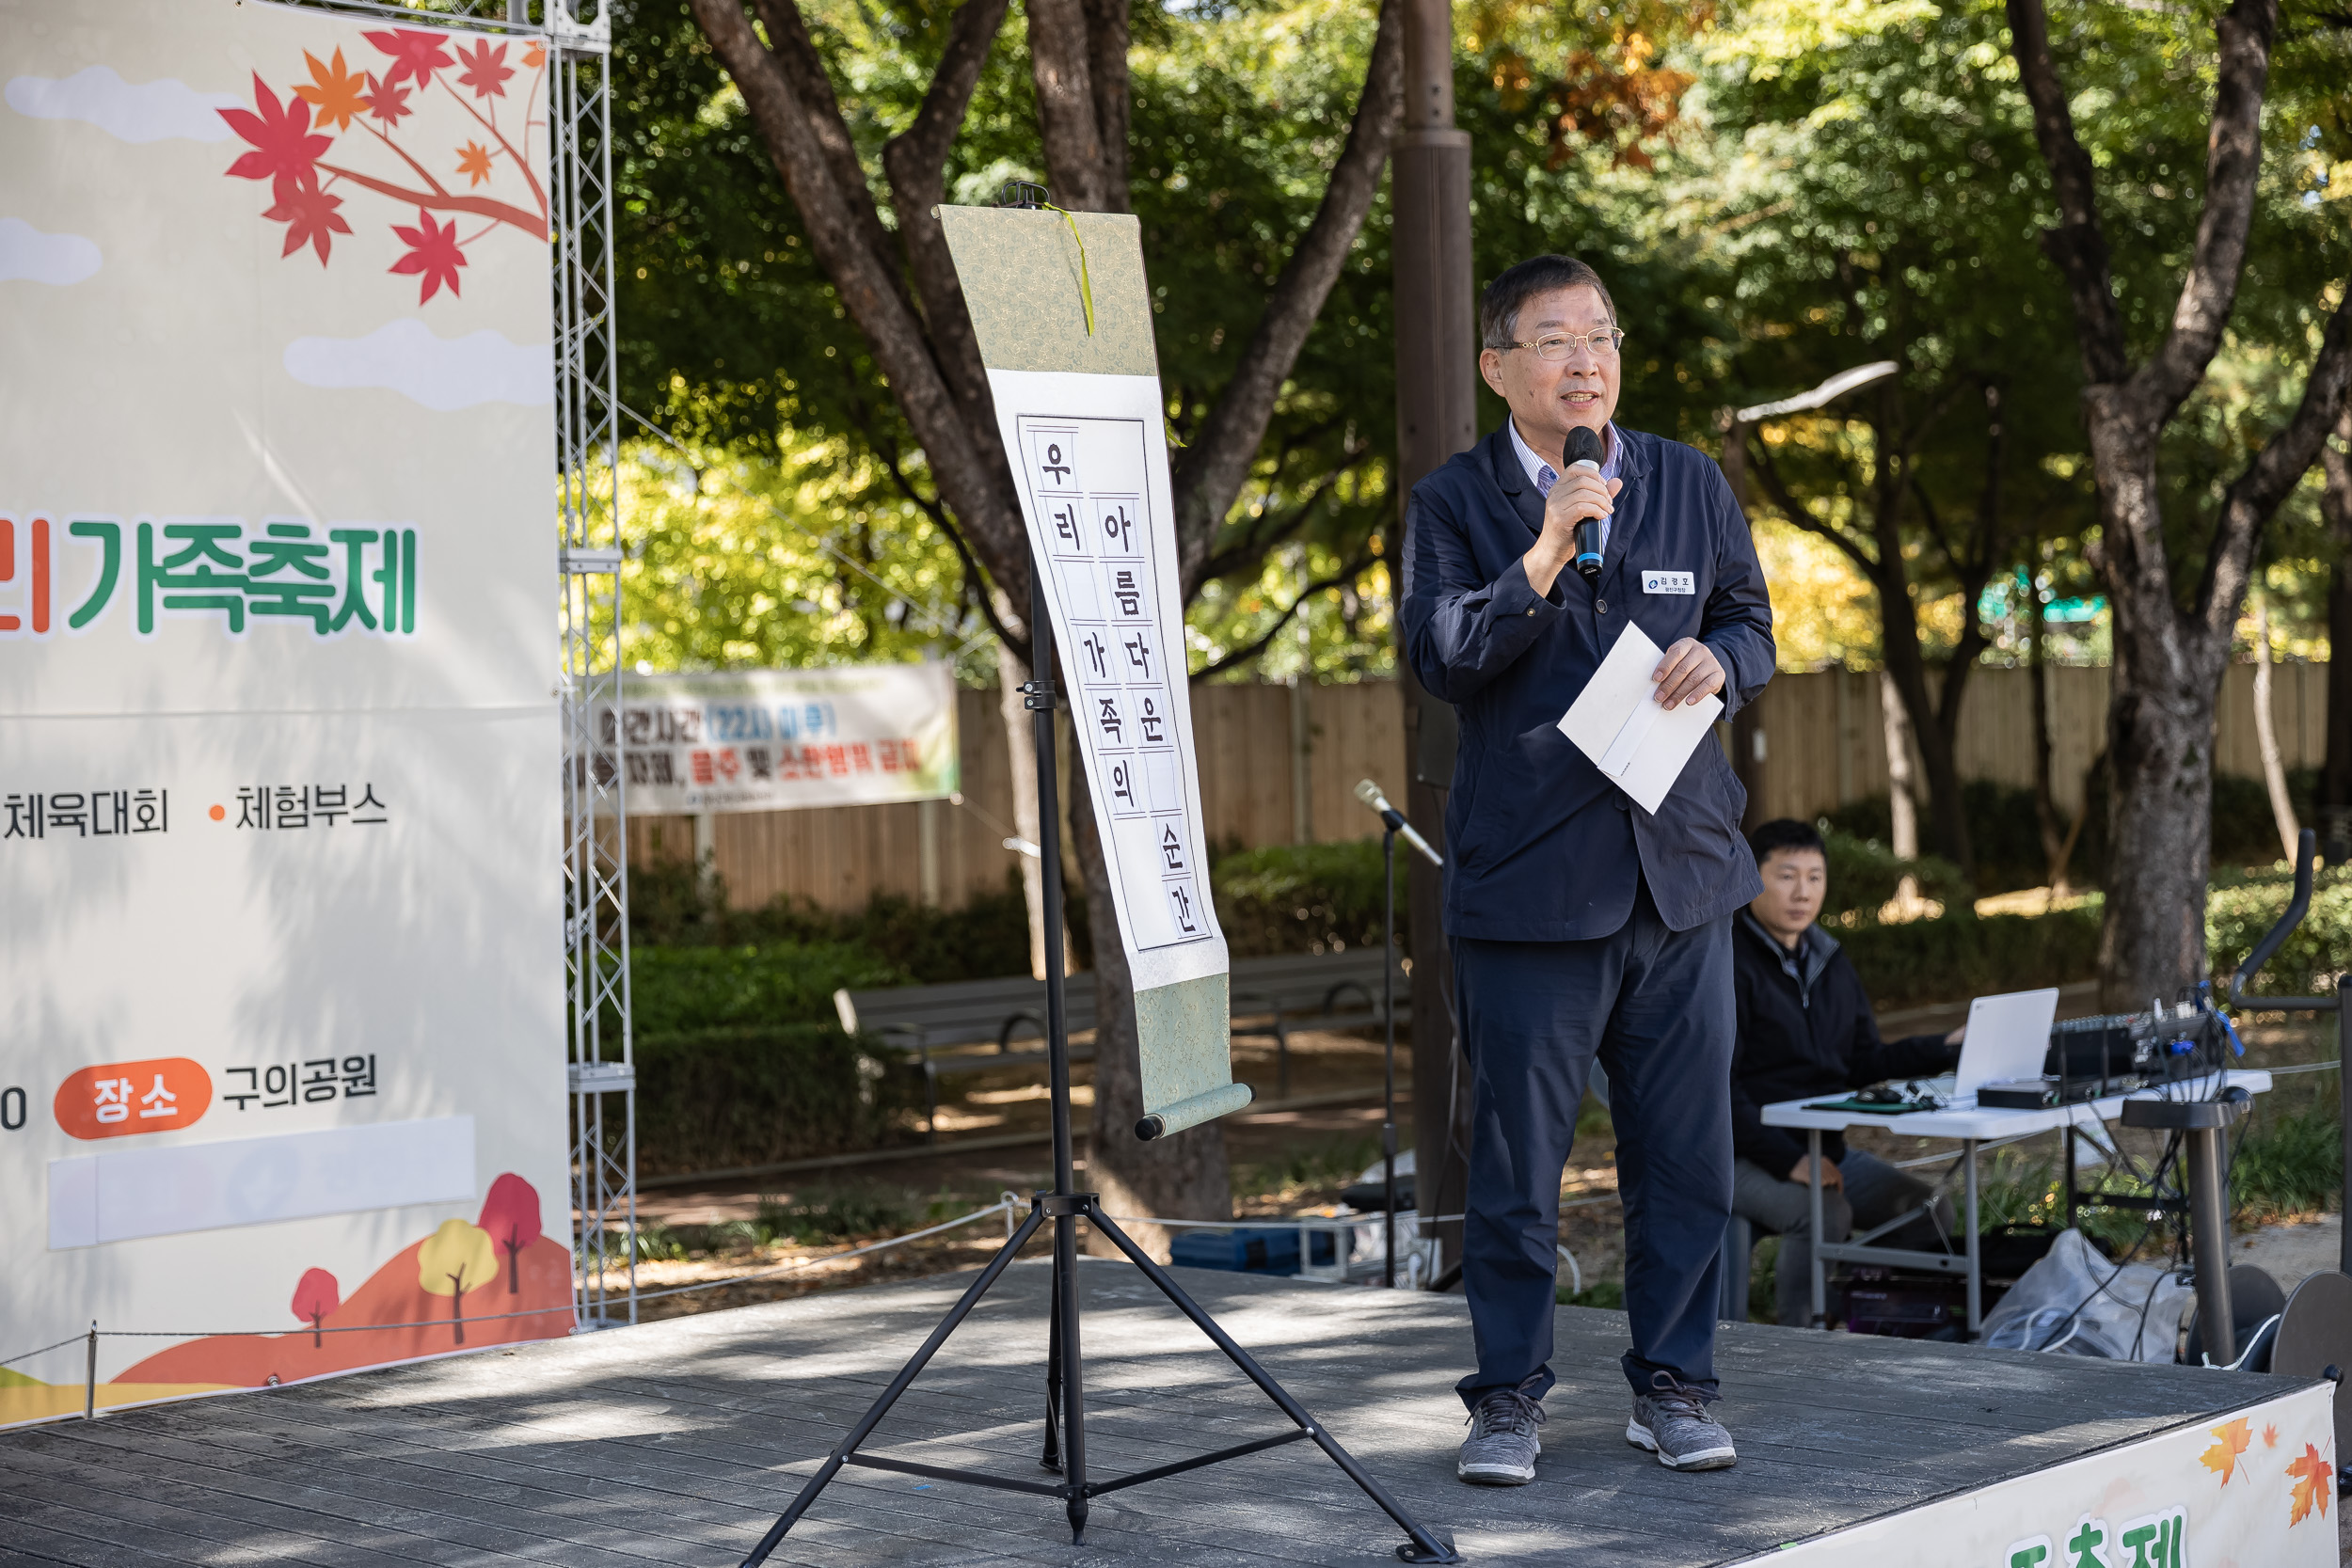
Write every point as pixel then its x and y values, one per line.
pixel 280 926
pixel 2250 1489
pixel 1063 317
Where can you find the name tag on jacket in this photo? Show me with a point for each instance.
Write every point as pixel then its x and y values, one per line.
pixel 1668 582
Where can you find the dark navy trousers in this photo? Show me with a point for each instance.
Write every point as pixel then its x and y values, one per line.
pixel 1655 1006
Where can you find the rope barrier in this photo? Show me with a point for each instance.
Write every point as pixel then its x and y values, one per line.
pixel 1008 1205
pixel 1005 1205
pixel 349 1328
pixel 74 1340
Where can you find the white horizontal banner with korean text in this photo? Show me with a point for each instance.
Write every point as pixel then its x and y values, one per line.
pixel 2236 1488
pixel 281 923
pixel 777 739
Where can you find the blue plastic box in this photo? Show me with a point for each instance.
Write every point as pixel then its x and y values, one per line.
pixel 1246 1251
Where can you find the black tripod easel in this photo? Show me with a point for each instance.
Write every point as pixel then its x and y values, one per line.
pixel 1065 1446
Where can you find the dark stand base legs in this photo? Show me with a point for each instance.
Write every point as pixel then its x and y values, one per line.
pixel 1065 1416
pixel 1065 1449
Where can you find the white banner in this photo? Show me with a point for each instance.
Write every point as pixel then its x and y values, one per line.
pixel 2249 1489
pixel 778 739
pixel 280 909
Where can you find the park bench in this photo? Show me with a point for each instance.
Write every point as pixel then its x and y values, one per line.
pixel 942 1025
pixel 1309 991
pixel 934 1021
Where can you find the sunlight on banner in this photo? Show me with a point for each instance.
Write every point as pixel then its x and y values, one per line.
pixel 776 739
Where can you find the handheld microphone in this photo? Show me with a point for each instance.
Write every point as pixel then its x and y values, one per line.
pixel 1369 793
pixel 1585 451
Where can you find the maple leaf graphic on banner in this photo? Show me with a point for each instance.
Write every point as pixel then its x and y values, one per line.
pixel 386 101
pixel 487 69
pixel 309 216
pixel 433 251
pixel 284 151
pixel 417 55
pixel 290 136
pixel 336 95
pixel 2315 1479
pixel 2270 1435
pixel 2230 1440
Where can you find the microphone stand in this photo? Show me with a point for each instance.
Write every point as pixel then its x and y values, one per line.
pixel 1391 823
pixel 1387 1018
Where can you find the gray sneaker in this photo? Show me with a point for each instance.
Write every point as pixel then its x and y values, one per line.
pixel 1501 1446
pixel 1671 1422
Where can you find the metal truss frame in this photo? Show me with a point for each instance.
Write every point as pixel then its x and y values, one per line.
pixel 603 1071
pixel 602 1075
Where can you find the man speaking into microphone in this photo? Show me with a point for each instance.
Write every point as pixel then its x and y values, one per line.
pixel 1583 927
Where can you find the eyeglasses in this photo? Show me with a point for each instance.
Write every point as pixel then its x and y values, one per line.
pixel 1604 344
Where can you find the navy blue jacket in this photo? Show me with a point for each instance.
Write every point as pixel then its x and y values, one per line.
pixel 1540 847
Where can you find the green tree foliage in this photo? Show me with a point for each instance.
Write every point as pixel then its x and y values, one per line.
pixel 735 343
pixel 791 556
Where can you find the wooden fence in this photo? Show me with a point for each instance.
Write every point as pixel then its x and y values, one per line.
pixel 1279 764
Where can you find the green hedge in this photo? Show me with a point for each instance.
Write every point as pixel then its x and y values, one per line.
pixel 1956 956
pixel 1960 955
pixel 1864 875
pixel 1305 898
pixel 2236 915
pixel 677 989
pixel 711 1098
pixel 2004 830
pixel 671 905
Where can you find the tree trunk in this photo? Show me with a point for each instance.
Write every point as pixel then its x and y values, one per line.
pixel 2168 663
pixel 1903 814
pixel 1904 685
pixel 2160 728
pixel 1021 742
pixel 2057 843
pixel 1178 1178
pixel 2266 734
pixel 2335 787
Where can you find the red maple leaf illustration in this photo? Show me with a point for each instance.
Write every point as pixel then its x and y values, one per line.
pixel 2315 1479
pixel 487 69
pixel 2270 1435
pixel 386 101
pixel 417 55
pixel 309 216
pixel 284 151
pixel 433 251
pixel 473 161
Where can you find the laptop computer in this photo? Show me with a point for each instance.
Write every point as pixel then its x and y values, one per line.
pixel 2008 1037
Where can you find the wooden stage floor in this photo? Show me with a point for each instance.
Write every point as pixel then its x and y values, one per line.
pixel 676 1443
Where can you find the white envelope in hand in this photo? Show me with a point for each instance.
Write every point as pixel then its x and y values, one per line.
pixel 1616 721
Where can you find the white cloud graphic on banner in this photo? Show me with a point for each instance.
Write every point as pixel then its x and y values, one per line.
pixel 153 111
pixel 27 255
pixel 442 374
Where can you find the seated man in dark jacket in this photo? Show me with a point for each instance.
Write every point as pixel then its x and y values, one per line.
pixel 1805 1030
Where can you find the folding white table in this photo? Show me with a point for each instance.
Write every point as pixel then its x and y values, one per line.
pixel 1965 1123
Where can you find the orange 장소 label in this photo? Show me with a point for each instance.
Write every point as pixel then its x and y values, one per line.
pixel 121 1097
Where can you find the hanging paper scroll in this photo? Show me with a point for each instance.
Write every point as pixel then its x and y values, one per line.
pixel 1066 335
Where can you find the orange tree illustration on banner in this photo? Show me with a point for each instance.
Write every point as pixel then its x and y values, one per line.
pixel 293 142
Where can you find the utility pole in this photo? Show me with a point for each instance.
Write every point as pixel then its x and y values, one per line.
pixel 1437 350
